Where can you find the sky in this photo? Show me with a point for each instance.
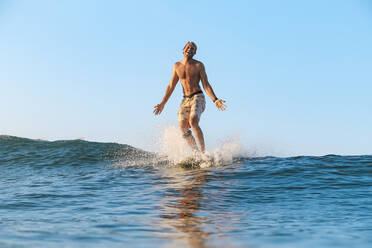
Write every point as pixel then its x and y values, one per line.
pixel 296 75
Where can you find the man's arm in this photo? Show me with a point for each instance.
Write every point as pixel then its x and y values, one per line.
pixel 168 92
pixel 208 89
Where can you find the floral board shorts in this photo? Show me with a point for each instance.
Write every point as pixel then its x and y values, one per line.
pixel 191 106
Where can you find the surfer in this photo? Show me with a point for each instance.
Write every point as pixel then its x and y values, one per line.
pixel 190 71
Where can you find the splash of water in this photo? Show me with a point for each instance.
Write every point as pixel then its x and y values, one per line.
pixel 172 149
pixel 172 146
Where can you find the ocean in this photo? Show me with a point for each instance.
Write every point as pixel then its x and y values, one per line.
pixel 76 193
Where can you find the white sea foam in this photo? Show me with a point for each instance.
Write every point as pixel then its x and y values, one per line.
pixel 171 149
pixel 174 147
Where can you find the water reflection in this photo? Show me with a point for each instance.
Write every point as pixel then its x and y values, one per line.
pixel 181 209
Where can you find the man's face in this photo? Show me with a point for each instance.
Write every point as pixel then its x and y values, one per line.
pixel 189 50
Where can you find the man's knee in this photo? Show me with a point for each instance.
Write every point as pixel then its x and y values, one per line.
pixel 194 122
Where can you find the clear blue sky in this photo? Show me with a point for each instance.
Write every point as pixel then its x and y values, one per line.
pixel 296 75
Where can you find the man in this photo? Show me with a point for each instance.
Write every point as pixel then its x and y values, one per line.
pixel 190 72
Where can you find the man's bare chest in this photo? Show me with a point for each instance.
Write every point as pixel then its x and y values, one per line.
pixel 187 71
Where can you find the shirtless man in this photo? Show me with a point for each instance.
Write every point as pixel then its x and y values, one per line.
pixel 190 72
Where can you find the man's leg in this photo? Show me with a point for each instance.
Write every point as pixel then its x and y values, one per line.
pixel 194 123
pixel 185 129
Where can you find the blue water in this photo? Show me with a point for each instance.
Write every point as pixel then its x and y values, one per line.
pixel 79 194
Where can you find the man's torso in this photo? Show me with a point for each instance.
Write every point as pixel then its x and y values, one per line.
pixel 189 75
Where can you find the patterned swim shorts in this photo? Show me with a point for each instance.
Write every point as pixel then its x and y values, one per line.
pixel 193 106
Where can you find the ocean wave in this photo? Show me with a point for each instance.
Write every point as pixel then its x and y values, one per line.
pixel 23 151
pixel 16 151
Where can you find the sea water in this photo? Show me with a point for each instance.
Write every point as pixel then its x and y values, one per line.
pixel 86 194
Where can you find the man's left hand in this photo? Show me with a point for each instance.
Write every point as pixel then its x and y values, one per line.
pixel 220 104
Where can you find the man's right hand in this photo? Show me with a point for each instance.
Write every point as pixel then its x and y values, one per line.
pixel 158 108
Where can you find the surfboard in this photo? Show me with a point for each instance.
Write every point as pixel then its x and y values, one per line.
pixel 194 162
pixel 189 163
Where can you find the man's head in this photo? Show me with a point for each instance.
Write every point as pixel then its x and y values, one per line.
pixel 190 49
